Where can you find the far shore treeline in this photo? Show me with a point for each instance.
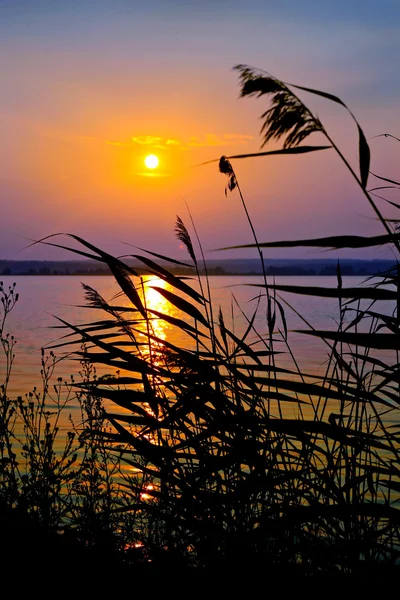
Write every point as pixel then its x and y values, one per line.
pixel 244 266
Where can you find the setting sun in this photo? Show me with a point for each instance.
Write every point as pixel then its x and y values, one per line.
pixel 151 161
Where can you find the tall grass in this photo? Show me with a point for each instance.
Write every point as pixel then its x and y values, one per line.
pixel 217 470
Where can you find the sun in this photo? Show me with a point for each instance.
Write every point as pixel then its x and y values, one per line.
pixel 151 161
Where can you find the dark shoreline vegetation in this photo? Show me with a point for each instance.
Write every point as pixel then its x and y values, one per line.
pixel 243 267
pixel 200 468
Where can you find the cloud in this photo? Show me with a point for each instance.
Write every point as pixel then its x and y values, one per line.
pixel 210 139
pixel 147 140
pixel 155 141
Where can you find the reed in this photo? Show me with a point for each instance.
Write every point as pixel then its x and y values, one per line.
pixel 218 473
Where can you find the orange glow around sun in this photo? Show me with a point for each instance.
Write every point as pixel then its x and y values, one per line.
pixel 151 161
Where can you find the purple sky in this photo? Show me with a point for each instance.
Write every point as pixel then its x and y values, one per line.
pixel 89 88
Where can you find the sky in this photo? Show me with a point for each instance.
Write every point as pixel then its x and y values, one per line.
pixel 91 87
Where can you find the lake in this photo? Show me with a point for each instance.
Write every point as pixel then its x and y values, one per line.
pixel 43 298
pixel 33 322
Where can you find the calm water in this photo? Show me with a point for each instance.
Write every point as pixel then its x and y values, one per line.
pixel 42 299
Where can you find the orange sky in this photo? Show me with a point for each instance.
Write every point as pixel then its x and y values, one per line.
pixel 89 93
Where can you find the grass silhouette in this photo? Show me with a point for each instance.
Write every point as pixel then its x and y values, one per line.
pixel 224 477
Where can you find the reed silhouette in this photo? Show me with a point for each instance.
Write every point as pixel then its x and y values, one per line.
pixel 223 476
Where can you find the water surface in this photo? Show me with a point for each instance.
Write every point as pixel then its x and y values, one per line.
pixel 34 322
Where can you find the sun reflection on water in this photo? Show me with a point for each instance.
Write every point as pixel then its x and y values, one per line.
pixel 155 329
pixel 155 301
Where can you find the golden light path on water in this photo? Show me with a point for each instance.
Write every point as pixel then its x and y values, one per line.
pixel 155 301
pixel 157 328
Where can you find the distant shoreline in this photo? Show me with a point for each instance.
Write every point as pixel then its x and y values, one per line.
pixel 91 274
pixel 225 267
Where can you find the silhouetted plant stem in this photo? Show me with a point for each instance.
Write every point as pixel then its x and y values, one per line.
pixel 364 191
pixel 291 116
pixel 209 308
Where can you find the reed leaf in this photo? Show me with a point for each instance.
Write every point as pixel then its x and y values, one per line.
pixel 353 293
pixel 171 279
pixel 182 305
pixel 166 258
pixel 333 242
pixel 380 341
